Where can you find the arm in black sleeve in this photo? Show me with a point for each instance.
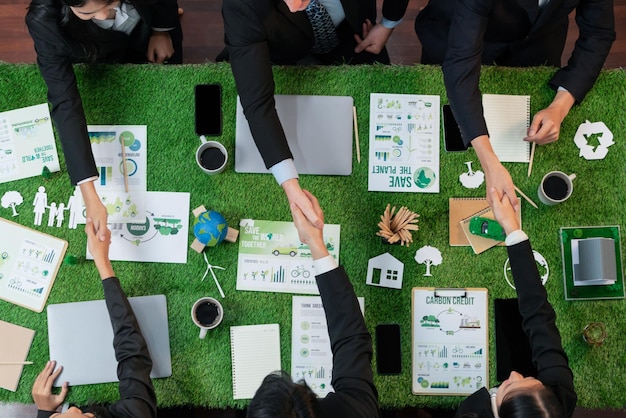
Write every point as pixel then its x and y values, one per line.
pixel 462 64
pixel 538 322
pixel 394 9
pixel 351 344
pixel 55 64
pixel 137 397
pixel 248 48
pixel 596 25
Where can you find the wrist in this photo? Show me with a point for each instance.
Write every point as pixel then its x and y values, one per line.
pixel 105 269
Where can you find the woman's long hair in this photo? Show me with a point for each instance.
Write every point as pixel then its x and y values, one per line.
pixel 536 403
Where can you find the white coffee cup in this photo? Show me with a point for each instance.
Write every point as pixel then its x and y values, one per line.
pixel 207 313
pixel 211 156
pixel 555 187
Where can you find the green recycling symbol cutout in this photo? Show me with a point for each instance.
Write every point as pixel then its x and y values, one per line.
pixel 593 139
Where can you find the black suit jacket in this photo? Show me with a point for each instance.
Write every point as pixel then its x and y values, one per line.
pixel 58 47
pixel 137 397
pixel 463 34
pixel 538 322
pixel 355 394
pixel 259 33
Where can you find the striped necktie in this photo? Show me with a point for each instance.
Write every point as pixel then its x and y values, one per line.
pixel 323 28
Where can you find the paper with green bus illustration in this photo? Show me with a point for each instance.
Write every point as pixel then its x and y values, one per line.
pixel 450 341
pixel 404 143
pixel 272 258
pixel 159 236
pixel 116 149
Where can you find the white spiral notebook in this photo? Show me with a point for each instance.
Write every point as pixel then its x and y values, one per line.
pixel 255 353
pixel 508 118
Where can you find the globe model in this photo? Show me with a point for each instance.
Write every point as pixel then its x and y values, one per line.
pixel 210 228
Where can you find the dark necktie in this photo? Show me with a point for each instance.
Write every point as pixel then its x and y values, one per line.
pixel 323 28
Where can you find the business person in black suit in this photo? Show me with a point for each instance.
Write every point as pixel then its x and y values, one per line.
pixel 551 394
pixel 463 34
pixel 66 32
pixel 354 392
pixel 259 33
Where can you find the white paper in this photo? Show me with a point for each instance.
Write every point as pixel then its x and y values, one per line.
pixel 106 144
pixel 311 356
pixel 160 237
pixel 272 258
pixel 26 143
pixel 404 143
pixel 255 353
pixel 508 118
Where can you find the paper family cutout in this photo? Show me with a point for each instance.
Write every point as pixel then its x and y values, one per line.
pixel 430 256
pixel 542 264
pixel 11 199
pixel 56 212
pixel 385 271
pixel 588 131
pixel 472 179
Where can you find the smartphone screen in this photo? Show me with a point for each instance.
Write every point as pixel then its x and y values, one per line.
pixel 388 349
pixel 451 133
pixel 208 109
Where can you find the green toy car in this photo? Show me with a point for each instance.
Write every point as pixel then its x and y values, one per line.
pixel 487 228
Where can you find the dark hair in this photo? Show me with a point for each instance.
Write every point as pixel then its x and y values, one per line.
pixel 81 3
pixel 279 397
pixel 538 403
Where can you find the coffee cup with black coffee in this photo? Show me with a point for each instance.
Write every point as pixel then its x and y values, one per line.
pixel 207 313
pixel 555 187
pixel 211 156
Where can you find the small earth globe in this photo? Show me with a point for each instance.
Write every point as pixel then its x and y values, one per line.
pixel 424 177
pixel 210 228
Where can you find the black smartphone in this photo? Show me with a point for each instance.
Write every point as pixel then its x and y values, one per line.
pixel 513 350
pixel 388 349
pixel 451 133
pixel 208 109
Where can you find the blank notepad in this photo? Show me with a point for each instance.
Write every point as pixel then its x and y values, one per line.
pixel 16 341
pixel 508 118
pixel 255 353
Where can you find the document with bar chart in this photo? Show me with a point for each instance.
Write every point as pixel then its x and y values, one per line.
pixel 120 152
pixel 404 143
pixel 272 258
pixel 450 341
pixel 311 356
pixel 29 262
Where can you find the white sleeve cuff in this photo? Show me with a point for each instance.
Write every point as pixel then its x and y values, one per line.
pixel 515 237
pixel 162 29
pixel 284 170
pixel 561 88
pixel 390 24
pixel 87 180
pixel 324 264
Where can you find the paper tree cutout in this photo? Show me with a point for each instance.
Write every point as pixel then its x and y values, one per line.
pixel 398 227
pixel 11 199
pixel 542 266
pixel 430 256
pixel 385 271
pixel 593 139
pixel 472 179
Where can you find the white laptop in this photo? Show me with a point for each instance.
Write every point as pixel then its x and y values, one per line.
pixel 318 130
pixel 81 339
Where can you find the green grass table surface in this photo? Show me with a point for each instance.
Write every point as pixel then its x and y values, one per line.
pixel 162 98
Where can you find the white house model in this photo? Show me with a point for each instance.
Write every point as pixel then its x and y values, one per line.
pixel 385 271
